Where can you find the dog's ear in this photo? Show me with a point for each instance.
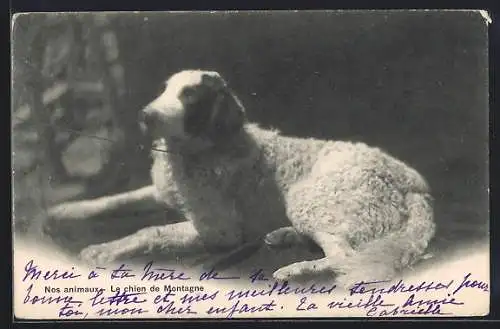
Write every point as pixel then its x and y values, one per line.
pixel 215 112
pixel 197 114
pixel 227 117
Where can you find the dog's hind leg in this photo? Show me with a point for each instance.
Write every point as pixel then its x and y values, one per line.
pixel 287 237
pixel 137 200
pixel 283 237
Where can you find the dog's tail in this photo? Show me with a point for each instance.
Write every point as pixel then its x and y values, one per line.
pixel 382 258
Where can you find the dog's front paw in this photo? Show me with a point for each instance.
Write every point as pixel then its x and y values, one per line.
pixel 76 210
pixel 99 254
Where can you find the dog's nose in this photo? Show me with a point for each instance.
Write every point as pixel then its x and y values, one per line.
pixel 147 117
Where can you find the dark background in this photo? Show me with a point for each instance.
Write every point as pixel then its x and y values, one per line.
pixel 412 83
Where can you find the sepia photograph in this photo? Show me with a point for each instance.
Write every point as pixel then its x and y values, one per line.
pixel 250 164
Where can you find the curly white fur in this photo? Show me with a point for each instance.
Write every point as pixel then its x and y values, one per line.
pixel 370 213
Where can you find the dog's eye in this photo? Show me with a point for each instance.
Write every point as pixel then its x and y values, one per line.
pixel 189 93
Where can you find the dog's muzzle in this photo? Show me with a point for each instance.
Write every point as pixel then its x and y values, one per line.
pixel 147 119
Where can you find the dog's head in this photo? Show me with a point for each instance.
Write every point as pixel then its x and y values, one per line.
pixel 194 104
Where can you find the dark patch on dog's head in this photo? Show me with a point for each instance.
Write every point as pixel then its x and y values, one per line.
pixel 198 103
pixel 211 110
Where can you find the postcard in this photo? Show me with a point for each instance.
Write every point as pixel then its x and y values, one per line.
pixel 250 164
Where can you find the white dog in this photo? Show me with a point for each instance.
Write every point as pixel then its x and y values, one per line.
pixel 370 213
